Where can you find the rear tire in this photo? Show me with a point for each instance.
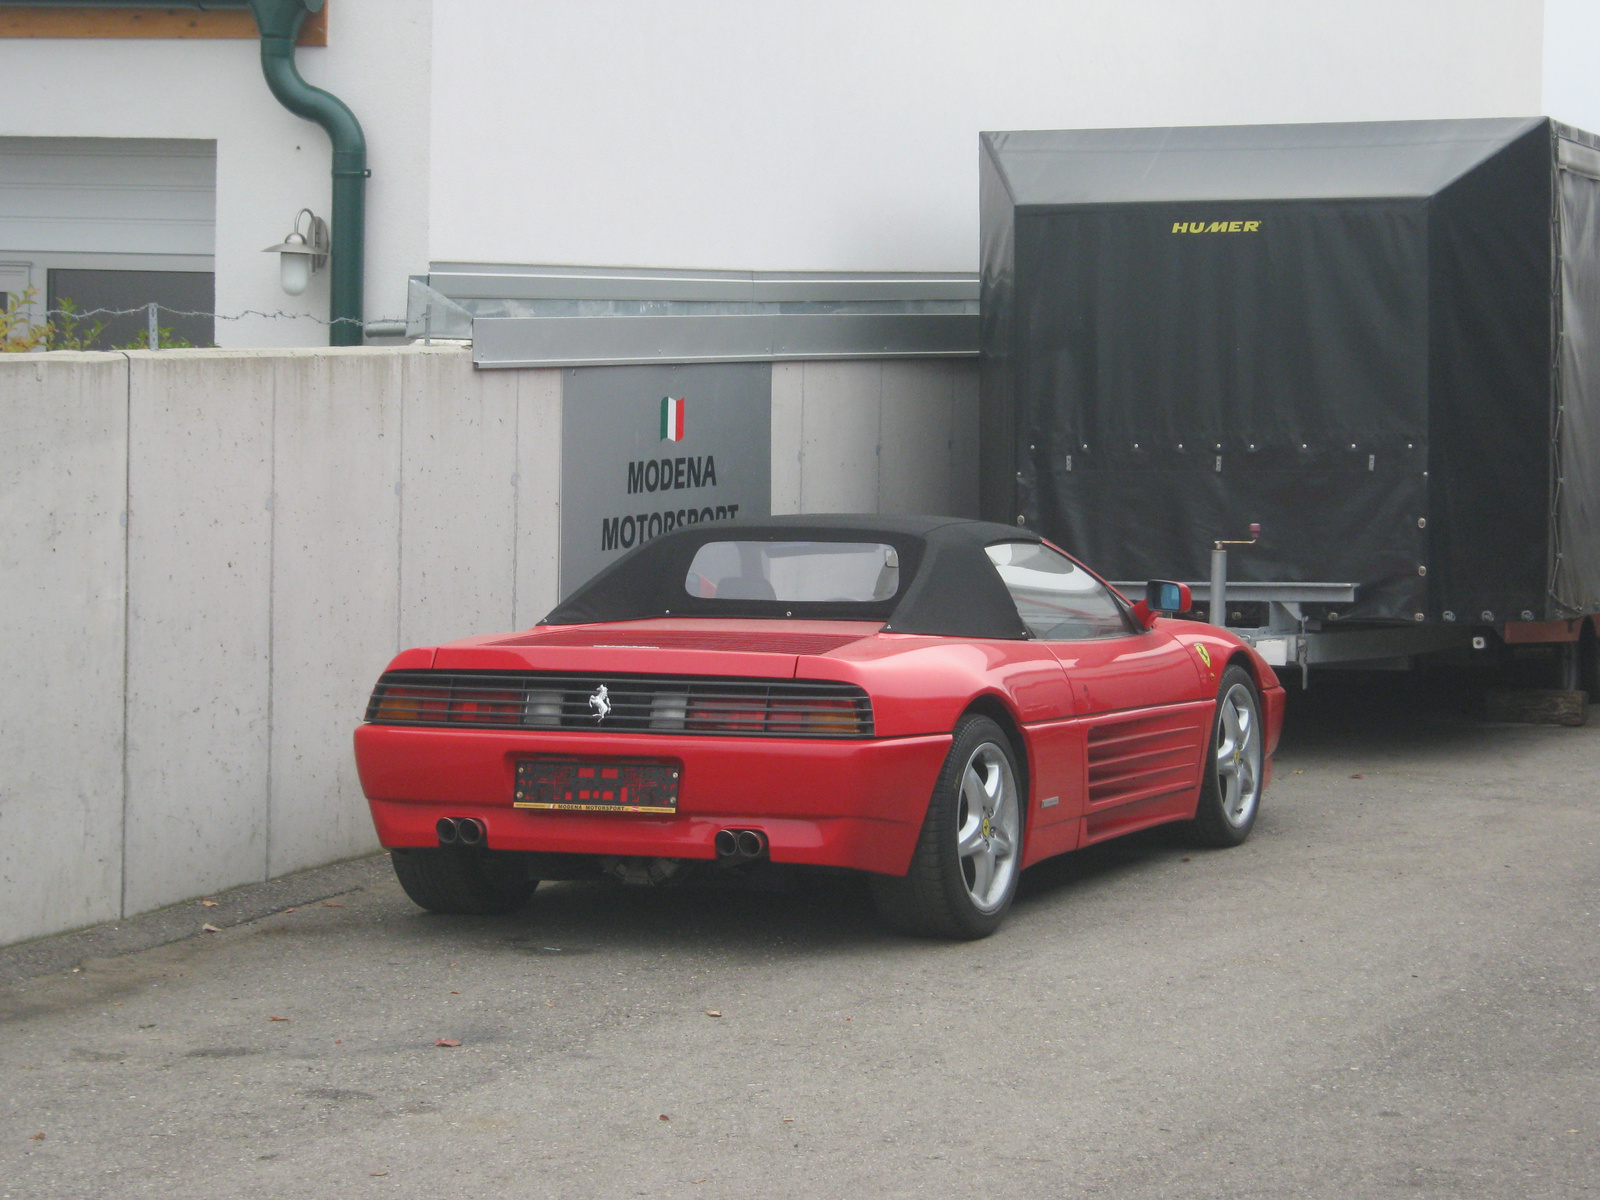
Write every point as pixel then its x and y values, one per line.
pixel 475 883
pixel 1230 793
pixel 964 870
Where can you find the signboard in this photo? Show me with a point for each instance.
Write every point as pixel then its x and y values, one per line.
pixel 649 449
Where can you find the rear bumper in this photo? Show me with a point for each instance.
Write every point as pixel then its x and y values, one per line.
pixel 842 804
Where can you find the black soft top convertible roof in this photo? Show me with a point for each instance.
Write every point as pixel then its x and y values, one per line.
pixel 948 586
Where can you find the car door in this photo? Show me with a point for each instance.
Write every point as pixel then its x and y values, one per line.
pixel 1142 706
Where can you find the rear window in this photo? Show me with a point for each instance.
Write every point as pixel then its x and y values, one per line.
pixel 802 572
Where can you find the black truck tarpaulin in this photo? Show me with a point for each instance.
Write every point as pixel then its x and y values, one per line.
pixel 1379 341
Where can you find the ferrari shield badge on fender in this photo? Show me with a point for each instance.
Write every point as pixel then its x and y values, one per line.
pixel 601 703
pixel 1199 648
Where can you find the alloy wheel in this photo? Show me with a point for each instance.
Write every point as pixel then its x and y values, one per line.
pixel 988 825
pixel 1239 756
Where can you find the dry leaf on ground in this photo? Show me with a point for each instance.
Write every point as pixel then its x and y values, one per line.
pixel 208 928
pixel 448 1042
pixel 713 1012
pixel 209 903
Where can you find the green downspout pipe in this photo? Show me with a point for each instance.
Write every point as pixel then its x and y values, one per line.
pixel 279 22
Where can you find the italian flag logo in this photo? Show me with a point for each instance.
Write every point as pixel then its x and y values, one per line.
pixel 671 419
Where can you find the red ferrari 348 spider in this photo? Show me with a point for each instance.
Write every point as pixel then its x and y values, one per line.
pixel 939 703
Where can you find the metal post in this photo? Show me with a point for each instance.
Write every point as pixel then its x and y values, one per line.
pixel 155 330
pixel 1219 574
pixel 1219 585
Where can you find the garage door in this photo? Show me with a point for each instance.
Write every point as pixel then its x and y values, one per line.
pixel 108 196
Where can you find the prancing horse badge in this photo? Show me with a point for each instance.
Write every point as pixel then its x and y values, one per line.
pixel 601 703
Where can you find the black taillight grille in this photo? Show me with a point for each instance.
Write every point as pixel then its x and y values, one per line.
pixel 622 703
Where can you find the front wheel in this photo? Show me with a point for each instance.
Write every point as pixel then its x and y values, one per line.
pixel 1230 793
pixel 471 882
pixel 964 870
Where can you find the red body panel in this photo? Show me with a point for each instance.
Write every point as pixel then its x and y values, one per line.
pixel 1114 733
pixel 847 803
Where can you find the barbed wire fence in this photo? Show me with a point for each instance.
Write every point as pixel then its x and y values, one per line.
pixel 17 311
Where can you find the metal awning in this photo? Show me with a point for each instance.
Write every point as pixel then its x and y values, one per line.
pixel 533 316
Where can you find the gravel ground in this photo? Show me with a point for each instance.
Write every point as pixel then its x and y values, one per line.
pixel 1390 990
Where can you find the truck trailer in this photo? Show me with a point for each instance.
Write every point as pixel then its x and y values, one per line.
pixel 1379 342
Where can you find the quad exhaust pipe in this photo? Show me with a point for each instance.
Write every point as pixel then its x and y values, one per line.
pixel 740 845
pixel 460 831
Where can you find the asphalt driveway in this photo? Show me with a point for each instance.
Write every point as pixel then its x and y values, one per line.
pixel 1389 991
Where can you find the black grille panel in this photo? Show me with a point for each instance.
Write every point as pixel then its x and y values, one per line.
pixel 669 704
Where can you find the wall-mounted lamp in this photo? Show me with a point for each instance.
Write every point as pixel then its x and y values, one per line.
pixel 302 254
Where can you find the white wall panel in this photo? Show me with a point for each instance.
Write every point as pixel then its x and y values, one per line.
pixel 335 590
pixel 896 436
pixel 457 506
pixel 788 411
pixel 63 481
pixel 199 635
pixel 964 434
pixel 917 434
pixel 840 403
pixel 538 491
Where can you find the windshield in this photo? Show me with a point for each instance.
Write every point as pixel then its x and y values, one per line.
pixel 799 572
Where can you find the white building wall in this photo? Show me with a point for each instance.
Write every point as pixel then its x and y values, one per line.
pixel 842 135
pixel 787 134
pixel 1571 83
pixel 270 163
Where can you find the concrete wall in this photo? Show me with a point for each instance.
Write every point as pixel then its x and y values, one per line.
pixel 890 436
pixel 185 684
pixel 206 557
pixel 63 482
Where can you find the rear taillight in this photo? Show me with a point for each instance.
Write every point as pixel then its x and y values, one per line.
pixel 397 702
pixel 797 716
pixel 638 704
pixel 486 706
pixel 727 714
pixel 834 718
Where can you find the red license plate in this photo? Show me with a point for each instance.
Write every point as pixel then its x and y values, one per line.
pixel 575 786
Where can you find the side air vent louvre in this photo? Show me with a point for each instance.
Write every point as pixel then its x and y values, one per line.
pixel 605 703
pixel 1141 758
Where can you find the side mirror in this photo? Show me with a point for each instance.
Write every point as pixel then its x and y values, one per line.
pixel 1161 596
pixel 1165 596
